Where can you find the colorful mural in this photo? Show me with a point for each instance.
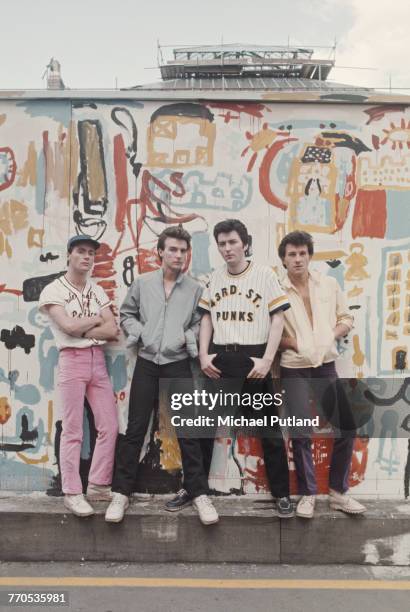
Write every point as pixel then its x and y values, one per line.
pixel 122 172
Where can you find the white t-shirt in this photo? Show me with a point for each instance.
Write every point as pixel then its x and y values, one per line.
pixel 86 303
pixel 240 305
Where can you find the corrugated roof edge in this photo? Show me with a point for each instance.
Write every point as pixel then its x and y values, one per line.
pixel 348 96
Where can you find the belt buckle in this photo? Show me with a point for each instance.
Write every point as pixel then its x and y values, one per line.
pixel 232 348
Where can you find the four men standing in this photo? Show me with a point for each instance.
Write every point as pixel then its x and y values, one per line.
pixel 241 317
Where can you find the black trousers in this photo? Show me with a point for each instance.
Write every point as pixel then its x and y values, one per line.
pixel 144 397
pixel 238 364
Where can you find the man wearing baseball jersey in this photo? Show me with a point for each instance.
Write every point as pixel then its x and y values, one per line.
pixel 319 316
pixel 242 307
pixel 82 322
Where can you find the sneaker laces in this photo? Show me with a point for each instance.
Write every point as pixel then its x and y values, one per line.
pixel 116 501
pixel 204 499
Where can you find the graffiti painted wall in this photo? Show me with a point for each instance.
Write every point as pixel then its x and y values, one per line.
pixel 121 171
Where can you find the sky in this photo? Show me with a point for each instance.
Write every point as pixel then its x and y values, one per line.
pixel 101 43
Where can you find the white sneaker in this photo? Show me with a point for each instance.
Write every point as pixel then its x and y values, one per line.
pixel 206 510
pixel 306 506
pixel 78 505
pixel 345 503
pixel 98 492
pixel 116 510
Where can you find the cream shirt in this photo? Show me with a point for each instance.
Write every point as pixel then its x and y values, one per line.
pixel 86 303
pixel 316 345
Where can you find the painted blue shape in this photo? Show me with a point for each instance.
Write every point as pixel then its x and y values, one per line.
pixel 284 164
pixel 339 274
pixel 367 340
pixel 58 110
pixel 26 394
pixel 398 214
pixel 48 361
pixel 117 369
pixel 15 475
pixel 41 184
pixel 200 254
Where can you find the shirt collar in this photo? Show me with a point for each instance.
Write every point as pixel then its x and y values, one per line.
pixel 314 276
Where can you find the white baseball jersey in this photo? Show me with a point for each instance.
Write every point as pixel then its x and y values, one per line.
pixel 241 304
pixel 86 303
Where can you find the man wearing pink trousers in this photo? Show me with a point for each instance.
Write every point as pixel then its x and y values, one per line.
pixel 82 322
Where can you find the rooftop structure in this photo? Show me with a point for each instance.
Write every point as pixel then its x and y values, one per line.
pixel 244 61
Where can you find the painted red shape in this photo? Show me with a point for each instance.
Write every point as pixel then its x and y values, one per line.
pixel 370 214
pixel 378 112
pixel 5 289
pixel 12 168
pixel 264 173
pixel 254 110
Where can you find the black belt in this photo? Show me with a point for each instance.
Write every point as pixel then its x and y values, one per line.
pixel 237 348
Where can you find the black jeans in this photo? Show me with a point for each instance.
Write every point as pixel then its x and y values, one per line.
pixel 237 364
pixel 144 396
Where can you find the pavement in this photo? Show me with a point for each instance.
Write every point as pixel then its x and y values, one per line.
pixel 182 587
pixel 38 528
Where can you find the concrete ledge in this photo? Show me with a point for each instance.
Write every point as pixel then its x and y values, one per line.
pixel 38 528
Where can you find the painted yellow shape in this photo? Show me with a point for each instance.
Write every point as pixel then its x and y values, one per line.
pixel 35 237
pixel 280 232
pixel 393 318
pixel 30 461
pixel 386 173
pixel 170 453
pixel 206 583
pixel 394 275
pixel 28 174
pixel 5 246
pixel 328 255
pixel 393 303
pixel 395 259
pixel 356 262
pixel 358 355
pixel 2 118
pixel 5 410
pixel 393 290
pixel 169 128
pixel 13 217
pixel 355 291
pixel 391 335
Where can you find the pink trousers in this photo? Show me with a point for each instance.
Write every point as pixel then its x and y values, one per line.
pixel 82 373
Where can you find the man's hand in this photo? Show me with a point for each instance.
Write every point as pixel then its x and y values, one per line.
pixel 261 368
pixel 208 367
pixel 107 331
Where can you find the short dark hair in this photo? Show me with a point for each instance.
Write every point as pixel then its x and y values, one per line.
pixel 175 231
pixel 297 239
pixel 232 225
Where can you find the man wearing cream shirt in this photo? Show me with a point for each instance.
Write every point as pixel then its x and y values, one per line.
pixel 318 317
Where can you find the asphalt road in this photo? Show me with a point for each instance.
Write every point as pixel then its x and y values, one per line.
pixel 114 587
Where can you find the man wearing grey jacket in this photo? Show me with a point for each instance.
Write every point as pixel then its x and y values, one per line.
pixel 159 315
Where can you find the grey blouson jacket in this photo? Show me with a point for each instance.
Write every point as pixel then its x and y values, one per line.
pixel 163 330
